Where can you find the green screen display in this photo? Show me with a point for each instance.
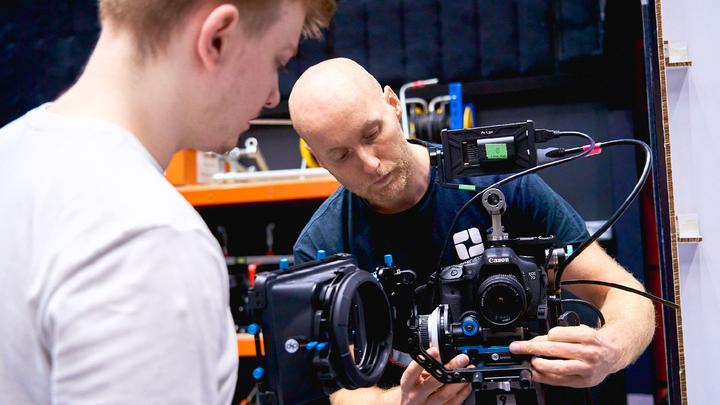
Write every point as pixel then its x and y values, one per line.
pixel 496 151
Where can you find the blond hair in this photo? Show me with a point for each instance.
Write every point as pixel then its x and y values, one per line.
pixel 153 21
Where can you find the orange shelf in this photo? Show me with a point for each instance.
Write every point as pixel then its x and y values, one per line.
pixel 246 345
pixel 259 192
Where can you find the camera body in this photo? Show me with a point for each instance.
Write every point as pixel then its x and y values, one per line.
pixel 489 301
pixel 498 291
pixel 498 296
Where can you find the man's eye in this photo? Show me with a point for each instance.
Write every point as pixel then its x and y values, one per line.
pixel 371 136
pixel 342 157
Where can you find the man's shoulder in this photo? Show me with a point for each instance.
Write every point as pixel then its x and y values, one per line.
pixel 331 211
pixel 325 227
pixel 93 172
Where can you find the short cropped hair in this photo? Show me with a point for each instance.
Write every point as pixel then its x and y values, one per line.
pixel 153 21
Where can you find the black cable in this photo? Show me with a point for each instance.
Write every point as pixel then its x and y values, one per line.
pixel 619 212
pixel 624 288
pixel 508 179
pixel 587 304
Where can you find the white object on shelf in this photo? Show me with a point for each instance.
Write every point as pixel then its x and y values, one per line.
pixel 676 54
pixel 271 121
pixel 207 164
pixel 688 228
pixel 290 174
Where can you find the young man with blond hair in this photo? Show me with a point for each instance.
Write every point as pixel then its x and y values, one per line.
pixel 114 290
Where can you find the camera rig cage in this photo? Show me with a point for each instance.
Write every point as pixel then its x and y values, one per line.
pixel 337 324
pixel 485 302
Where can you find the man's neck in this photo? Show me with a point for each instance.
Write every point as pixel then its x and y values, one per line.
pixel 115 88
pixel 419 179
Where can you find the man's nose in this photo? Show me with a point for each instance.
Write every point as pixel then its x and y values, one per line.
pixel 370 162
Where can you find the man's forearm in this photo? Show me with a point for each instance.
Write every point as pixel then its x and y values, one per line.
pixel 630 321
pixel 371 395
pixel 630 318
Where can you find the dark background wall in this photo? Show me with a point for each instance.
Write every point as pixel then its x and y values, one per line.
pixel 43 46
pixel 45 43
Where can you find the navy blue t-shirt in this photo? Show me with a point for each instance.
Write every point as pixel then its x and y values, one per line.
pixel 346 223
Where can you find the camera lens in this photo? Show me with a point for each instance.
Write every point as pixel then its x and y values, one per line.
pixel 493 199
pixel 502 299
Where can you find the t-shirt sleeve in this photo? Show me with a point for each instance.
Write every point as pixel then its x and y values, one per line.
pixel 324 231
pixel 550 212
pixel 304 249
pixel 144 321
pixel 320 233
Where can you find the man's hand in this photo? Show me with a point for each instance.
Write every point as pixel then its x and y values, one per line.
pixel 583 356
pixel 417 386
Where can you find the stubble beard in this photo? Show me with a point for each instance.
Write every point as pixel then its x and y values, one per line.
pixel 385 196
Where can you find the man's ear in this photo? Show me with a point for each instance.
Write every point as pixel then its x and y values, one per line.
pixel 393 101
pixel 216 35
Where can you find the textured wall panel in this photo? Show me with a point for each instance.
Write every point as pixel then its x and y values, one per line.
pixel 422 39
pixel 385 41
pixel 536 44
pixel 350 31
pixel 459 40
pixel 498 37
pixel 44 43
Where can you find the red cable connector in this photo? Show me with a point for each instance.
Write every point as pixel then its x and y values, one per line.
pixel 596 150
pixel 251 271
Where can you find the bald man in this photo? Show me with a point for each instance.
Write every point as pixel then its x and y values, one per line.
pixel 389 203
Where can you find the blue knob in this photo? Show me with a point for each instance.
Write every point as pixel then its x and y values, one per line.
pixel 311 345
pixel 388 260
pixel 258 373
pixel 284 264
pixel 253 329
pixel 469 327
pixel 322 345
pixel 320 254
pixel 569 249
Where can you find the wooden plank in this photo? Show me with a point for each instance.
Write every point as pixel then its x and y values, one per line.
pixel 671 199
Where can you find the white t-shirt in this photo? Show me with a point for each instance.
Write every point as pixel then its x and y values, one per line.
pixel 112 289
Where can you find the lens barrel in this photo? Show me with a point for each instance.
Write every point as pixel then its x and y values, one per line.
pixel 501 300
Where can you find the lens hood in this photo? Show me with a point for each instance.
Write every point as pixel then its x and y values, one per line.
pixel 360 296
